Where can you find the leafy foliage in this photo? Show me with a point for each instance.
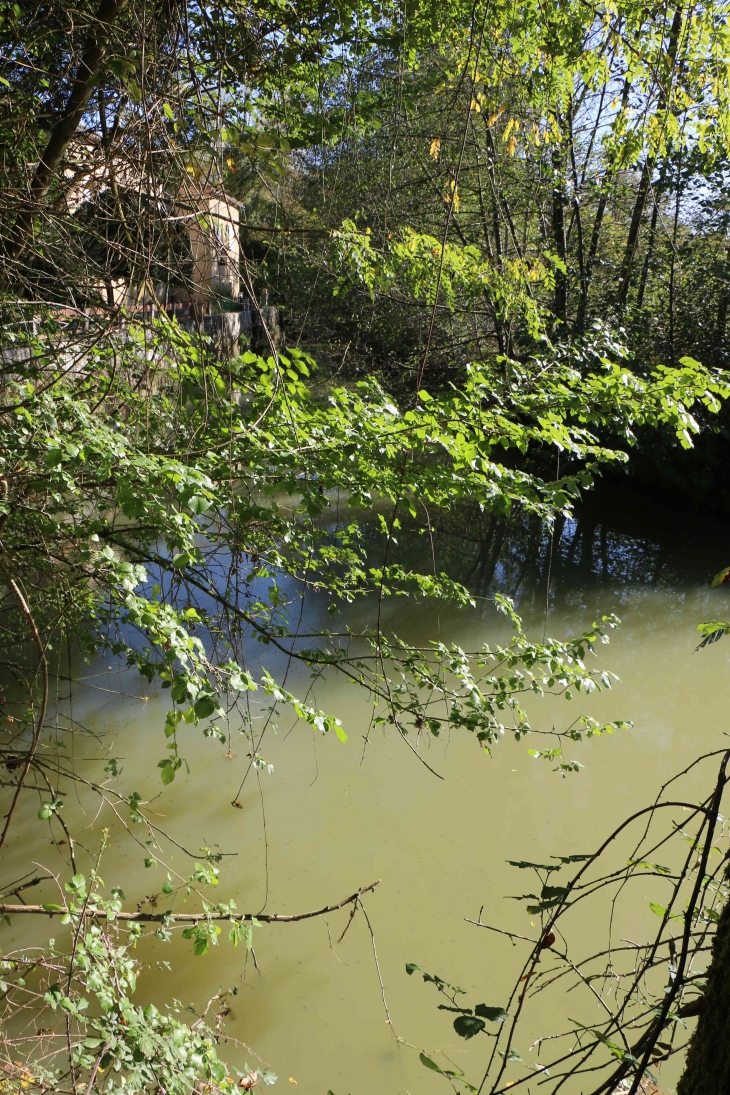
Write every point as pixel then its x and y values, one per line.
pixel 176 504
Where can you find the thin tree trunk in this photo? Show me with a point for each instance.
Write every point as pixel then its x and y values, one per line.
pixel 498 320
pixel 580 321
pixel 673 263
pixel 707 1070
pixel 499 195
pixel 632 239
pixel 577 214
pixel 647 171
pixel 558 225
pixel 649 247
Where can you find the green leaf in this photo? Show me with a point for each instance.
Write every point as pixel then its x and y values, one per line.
pixel 524 864
pixel 647 866
pixel 198 504
pixel 494 1015
pixel 132 501
pixel 205 706
pixel 467 1026
pixel 618 1052
pixel 54 456
pixel 661 910
pixel 712 631
pixel 511 1055
pixel 429 1063
pixel 172 721
pixel 121 67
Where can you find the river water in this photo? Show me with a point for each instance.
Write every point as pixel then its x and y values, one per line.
pixel 334 817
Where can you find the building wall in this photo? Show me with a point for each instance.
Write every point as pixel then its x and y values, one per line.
pixel 216 251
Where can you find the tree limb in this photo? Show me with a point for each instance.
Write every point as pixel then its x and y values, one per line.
pixel 189 918
pixel 67 125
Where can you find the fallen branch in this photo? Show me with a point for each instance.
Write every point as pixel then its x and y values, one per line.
pixel 187 918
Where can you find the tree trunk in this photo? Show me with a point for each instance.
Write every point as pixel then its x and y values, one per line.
pixel 649 249
pixel 707 1071
pixel 580 322
pixel 558 225
pixel 65 128
pixel 632 239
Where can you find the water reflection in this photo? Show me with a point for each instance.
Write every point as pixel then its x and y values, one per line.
pixel 618 537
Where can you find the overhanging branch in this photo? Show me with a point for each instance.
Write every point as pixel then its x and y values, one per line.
pixel 92 913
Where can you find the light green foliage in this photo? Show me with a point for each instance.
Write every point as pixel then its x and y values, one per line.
pixel 122 511
pixel 418 265
pixel 127 1048
pixel 130 518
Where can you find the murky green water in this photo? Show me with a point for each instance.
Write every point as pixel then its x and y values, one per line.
pixel 334 817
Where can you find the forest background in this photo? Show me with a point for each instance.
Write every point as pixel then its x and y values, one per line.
pixel 498 237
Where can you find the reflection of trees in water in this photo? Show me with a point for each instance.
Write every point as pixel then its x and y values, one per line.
pixel 616 545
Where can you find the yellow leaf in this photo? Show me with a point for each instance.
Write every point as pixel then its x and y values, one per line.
pixel 475 106
pixel 512 146
pixel 292 1080
pixel 435 148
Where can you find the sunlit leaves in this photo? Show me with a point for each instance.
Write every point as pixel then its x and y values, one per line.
pixel 712 631
pixel 135 506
